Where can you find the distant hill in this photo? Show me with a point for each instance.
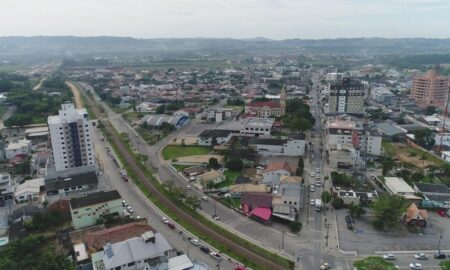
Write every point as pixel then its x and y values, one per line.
pixel 60 46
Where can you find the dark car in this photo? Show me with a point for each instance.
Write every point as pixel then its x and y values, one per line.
pixel 439 256
pixel 349 226
pixel 205 249
pixel 171 225
pixel 348 219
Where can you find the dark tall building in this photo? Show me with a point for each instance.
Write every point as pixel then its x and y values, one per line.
pixel 346 96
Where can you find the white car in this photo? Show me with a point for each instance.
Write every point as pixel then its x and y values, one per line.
pixel 311 202
pixel 318 183
pixel 124 203
pixel 312 189
pixel 205 198
pixel 195 241
pixel 189 187
pixel 215 255
pixel 389 256
pixel 130 209
pixel 421 256
pixel 312 174
pixel 317 177
pixel 165 220
pixel 415 266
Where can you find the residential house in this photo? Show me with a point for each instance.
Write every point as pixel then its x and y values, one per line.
pixel 29 190
pixel 274 170
pixel 416 217
pixel 96 240
pixel 148 251
pixel 212 137
pixel 6 188
pixel 258 205
pixel 213 176
pixel 20 147
pixel 86 210
pixel 240 189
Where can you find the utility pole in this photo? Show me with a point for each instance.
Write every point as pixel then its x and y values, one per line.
pixel 439 244
pixel 282 242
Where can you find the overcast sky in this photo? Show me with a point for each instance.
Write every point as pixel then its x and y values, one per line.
pixel 277 19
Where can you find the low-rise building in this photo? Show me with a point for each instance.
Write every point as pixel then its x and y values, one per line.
pixel 355 197
pixel 275 170
pixel 65 183
pixel 6 188
pixel 212 137
pixel 213 176
pixel 287 200
pixel 257 126
pixel 20 147
pixel 156 120
pixel 398 186
pixel 148 107
pixel 86 210
pixel 29 191
pixel 434 195
pixel 148 251
pixel 294 146
pixel 416 217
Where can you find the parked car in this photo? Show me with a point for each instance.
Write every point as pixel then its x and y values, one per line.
pixel 215 255
pixel 312 189
pixel 441 213
pixel 125 178
pixel 415 266
pixel 421 256
pixel 124 203
pixel 188 187
pixel 348 219
pixel 324 266
pixel 317 170
pixel 317 177
pixel 216 217
pixel 171 225
pixel 439 256
pixel 318 183
pixel 204 249
pixel 130 209
pixel 165 220
pixel 195 241
pixel 350 226
pixel 389 257
pixel 312 202
pixel 205 198
pixel 312 174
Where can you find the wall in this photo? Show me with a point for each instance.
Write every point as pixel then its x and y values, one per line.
pixel 88 215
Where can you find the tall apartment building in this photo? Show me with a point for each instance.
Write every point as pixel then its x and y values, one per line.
pixel 430 89
pixel 70 137
pixel 346 96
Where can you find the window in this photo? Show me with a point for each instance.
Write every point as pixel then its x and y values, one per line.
pixel 131 264
pixel 75 212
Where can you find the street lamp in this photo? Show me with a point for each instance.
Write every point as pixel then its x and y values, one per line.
pixel 439 244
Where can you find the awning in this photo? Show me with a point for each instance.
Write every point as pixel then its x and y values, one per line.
pixel 263 213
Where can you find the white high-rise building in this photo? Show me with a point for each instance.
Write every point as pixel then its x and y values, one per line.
pixel 71 140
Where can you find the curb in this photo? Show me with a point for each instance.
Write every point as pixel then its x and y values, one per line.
pixel 348 253
pixel 432 251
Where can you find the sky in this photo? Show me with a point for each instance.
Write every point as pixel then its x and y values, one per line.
pixel 275 19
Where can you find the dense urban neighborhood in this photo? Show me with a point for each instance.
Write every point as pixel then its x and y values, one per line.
pixel 261 161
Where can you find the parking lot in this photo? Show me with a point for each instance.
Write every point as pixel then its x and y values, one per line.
pixel 364 239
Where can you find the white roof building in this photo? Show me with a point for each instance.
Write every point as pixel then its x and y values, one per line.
pixel 29 190
pixel 398 186
pixel 21 147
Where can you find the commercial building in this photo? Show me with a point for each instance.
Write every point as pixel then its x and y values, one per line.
pixel 86 210
pixel 342 132
pixel 294 146
pixel 287 200
pixel 257 126
pixel 346 96
pixel 435 195
pixel 6 188
pixel 398 186
pixel 430 89
pixel 71 139
pixel 212 137
pixel 71 181
pixel 156 120
pixel 29 190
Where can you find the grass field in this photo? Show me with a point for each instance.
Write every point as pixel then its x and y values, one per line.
pixel 180 167
pixel 176 151
pixel 411 154
pixel 230 177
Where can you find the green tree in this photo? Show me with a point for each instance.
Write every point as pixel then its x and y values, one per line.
pixel 19 119
pixel 387 210
pixel 356 210
pixel 424 137
pixel 430 110
pixel 326 197
pixel 295 226
pixel 374 263
pixel 337 203
pixel 161 109
pixel 445 265
pixel 299 124
pixel 235 164
pixel 300 167
pixel 192 201
pixel 213 163
pixel 387 164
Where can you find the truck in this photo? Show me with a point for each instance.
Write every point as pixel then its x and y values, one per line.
pixel 318 205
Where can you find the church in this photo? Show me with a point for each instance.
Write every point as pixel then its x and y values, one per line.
pixel 265 109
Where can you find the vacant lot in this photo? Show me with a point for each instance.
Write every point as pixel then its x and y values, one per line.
pixel 411 154
pixel 176 151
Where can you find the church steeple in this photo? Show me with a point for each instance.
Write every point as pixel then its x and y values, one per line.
pixel 283 100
